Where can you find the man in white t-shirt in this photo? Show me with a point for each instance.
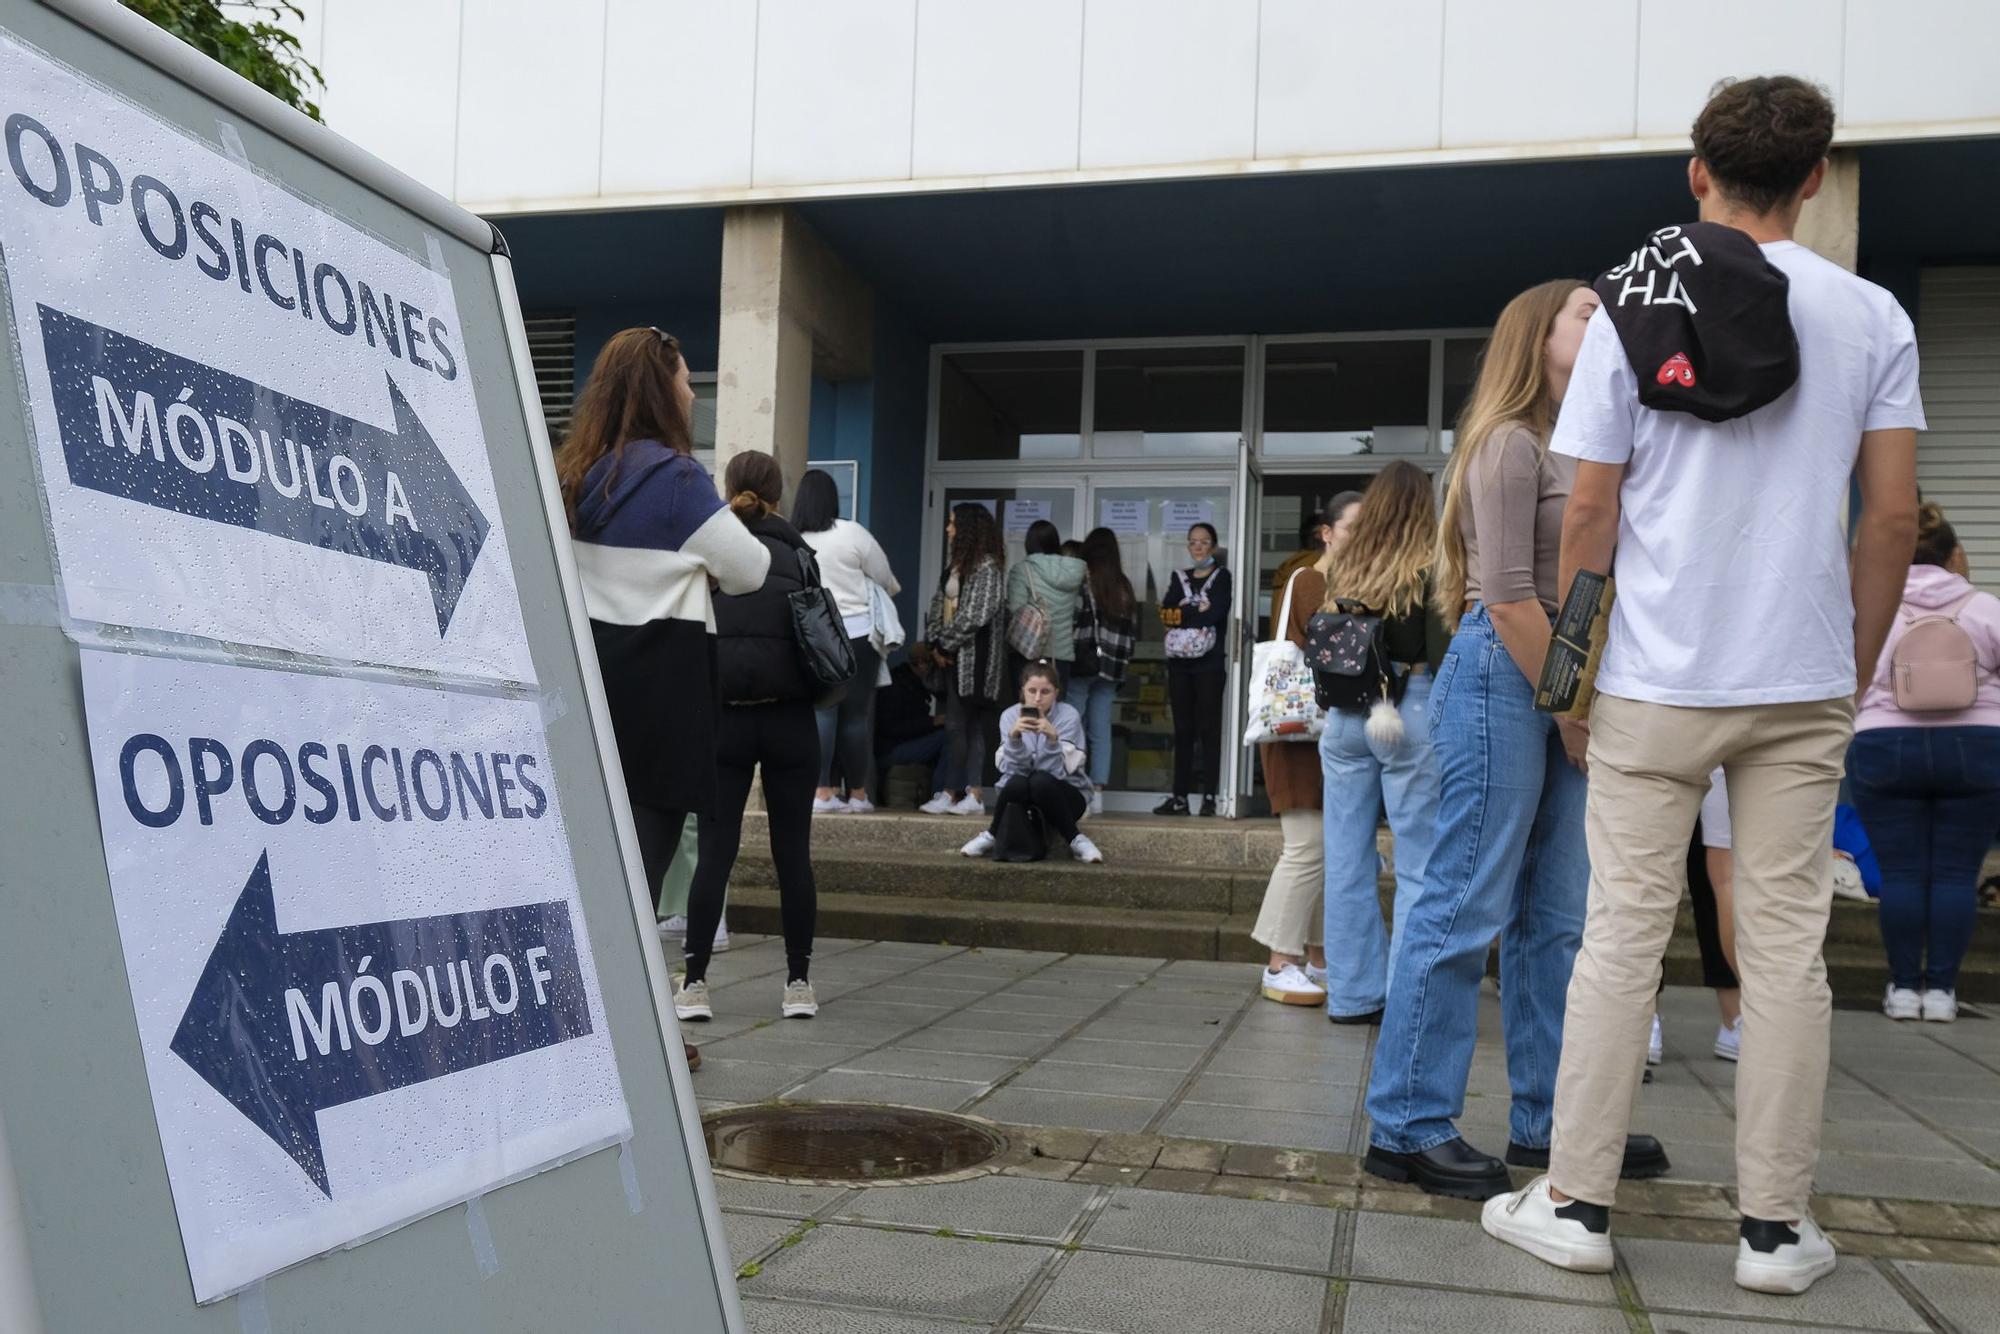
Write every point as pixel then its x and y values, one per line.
pixel 1742 629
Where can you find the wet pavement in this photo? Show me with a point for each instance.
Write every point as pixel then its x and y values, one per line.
pixel 1185 1160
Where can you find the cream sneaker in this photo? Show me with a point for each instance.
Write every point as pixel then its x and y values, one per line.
pixel 1784 1258
pixel 691 1003
pixel 800 1002
pixel 1569 1236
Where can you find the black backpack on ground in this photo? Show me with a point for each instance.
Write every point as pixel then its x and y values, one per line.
pixel 1349 657
pixel 1021 835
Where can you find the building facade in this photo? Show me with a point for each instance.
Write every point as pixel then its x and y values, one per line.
pixel 1137 262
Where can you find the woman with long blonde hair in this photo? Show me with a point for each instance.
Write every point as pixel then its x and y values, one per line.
pixel 1378 754
pixel 1509 857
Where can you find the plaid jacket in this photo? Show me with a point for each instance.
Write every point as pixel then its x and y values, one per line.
pixel 1114 637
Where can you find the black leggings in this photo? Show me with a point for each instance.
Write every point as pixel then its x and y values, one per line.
pixel 1060 803
pixel 659 830
pixel 784 739
pixel 974 724
pixel 1197 702
pixel 1715 970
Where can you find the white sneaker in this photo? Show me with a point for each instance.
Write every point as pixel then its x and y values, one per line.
pixel 1656 1045
pixel 939 804
pixel 1940 1007
pixel 1316 974
pixel 968 805
pixel 1902 1003
pixel 1290 986
pixel 1570 1236
pixel 1729 1040
pixel 829 806
pixel 1097 801
pixel 676 926
pixel 800 1003
pixel 691 1002
pixel 721 937
pixel 860 806
pixel 982 843
pixel 1783 1259
pixel 1084 850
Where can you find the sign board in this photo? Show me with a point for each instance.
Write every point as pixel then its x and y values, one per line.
pixel 320 878
pixel 1127 518
pixel 1023 514
pixel 256 422
pixel 1181 515
pixel 348 915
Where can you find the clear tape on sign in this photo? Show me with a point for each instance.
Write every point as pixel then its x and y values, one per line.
pixel 232 140
pixel 628 1175
pixel 481 1234
pixel 553 704
pixel 434 253
pixel 30 604
pixel 253 1313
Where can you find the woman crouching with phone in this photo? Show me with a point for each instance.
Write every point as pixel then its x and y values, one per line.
pixel 1041 762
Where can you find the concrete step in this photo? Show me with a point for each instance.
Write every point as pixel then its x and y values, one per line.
pixel 1133 839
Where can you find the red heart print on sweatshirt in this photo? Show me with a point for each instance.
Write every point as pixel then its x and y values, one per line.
pixel 1677 367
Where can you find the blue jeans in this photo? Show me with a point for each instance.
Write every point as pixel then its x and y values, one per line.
pixel 1097 700
pixel 1510 861
pixel 1359 776
pixel 1930 799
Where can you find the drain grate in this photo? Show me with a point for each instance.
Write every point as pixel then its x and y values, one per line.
pixel 847 1142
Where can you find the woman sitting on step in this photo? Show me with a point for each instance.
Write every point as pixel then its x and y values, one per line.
pixel 1043 783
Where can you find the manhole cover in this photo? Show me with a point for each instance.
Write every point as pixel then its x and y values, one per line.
pixel 843 1142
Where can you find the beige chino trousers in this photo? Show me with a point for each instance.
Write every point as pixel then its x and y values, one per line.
pixel 1649 768
pixel 1293 915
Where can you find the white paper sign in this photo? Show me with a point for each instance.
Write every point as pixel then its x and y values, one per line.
pixel 1021 514
pixel 363 983
pixel 1127 518
pixel 255 422
pixel 1182 515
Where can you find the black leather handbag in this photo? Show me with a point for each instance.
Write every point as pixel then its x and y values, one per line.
pixel 821 632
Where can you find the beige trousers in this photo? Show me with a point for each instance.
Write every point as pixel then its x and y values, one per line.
pixel 1292 917
pixel 1649 768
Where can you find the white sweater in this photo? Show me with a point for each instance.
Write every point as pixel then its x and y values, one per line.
pixel 849 556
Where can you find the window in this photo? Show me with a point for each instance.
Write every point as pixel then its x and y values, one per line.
pixel 1461 367
pixel 1010 405
pixel 1169 402
pixel 1347 397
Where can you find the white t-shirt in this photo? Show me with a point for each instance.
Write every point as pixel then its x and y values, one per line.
pixel 849 556
pixel 1732 555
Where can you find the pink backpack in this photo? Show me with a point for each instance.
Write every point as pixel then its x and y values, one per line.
pixel 1934 667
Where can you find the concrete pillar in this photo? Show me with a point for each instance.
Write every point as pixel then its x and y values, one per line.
pixel 1830 223
pixel 791 309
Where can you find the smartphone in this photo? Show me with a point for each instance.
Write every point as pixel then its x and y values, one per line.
pixel 1030 711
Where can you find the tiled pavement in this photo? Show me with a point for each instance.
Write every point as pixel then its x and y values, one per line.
pixel 1186 1050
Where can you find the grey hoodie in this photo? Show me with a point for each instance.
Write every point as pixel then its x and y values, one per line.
pixel 1032 752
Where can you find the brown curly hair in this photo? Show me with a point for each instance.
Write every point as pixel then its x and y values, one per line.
pixel 1937 540
pixel 1762 137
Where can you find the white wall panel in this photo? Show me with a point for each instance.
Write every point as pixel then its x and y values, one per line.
pixel 997 87
pixel 1168 81
pixel 834 87
pixel 530 100
pixel 680 79
pixel 1348 76
pixel 1921 62
pixel 392 84
pixel 1525 74
pixel 1685 46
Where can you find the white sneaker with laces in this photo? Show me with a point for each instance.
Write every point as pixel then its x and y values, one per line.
pixel 691 1002
pixel 1940 1007
pixel 1569 1236
pixel 1729 1040
pixel 1784 1258
pixel 860 806
pixel 800 1002
pixel 829 806
pixel 1084 850
pixel 1902 1003
pixel 939 804
pixel 1656 1045
pixel 1316 974
pixel 1290 986
pixel 1097 801
pixel 677 925
pixel 982 843
pixel 969 804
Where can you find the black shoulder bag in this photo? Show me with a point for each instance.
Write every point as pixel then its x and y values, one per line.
pixel 821 632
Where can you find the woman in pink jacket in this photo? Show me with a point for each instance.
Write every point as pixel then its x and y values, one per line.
pixel 1926 778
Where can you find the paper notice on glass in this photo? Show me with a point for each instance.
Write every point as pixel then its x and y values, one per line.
pixel 1127 518
pixel 1022 513
pixel 1182 515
